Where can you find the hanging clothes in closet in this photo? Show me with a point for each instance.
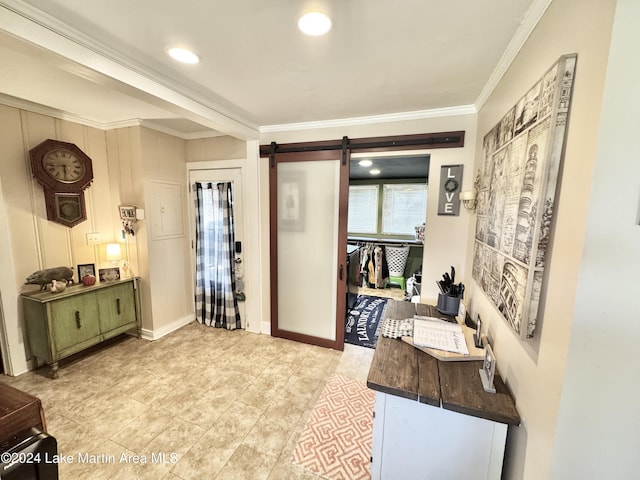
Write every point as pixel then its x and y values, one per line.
pixel 374 271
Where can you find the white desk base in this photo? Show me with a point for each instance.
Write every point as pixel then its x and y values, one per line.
pixel 414 441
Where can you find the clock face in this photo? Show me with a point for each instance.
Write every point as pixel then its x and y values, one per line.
pixel 63 166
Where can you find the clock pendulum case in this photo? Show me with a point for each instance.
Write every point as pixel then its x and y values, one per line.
pixel 64 171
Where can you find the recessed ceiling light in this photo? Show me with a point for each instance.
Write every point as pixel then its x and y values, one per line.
pixel 314 24
pixel 183 55
pixel 365 163
pixel 374 171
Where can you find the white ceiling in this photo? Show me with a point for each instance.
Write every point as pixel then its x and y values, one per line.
pixel 104 62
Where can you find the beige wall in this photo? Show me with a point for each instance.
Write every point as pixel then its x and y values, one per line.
pixel 34 242
pixel 534 370
pixel 166 231
pixel 141 160
pixel 598 419
pixel 216 148
pixel 127 164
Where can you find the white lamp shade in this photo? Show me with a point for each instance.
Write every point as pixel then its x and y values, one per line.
pixel 113 252
pixel 467 195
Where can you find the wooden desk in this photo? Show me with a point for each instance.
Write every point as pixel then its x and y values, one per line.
pixel 433 419
pixel 19 411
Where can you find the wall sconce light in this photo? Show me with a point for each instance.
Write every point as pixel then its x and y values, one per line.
pixel 469 201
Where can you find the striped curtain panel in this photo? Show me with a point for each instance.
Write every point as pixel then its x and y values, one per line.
pixel 216 304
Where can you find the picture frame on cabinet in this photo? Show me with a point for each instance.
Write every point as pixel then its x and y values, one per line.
pixel 86 269
pixel 109 274
pixel 488 370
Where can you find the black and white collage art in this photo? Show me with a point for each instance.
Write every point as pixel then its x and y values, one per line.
pixel 517 184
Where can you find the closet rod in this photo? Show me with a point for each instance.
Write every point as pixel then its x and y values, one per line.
pixel 362 243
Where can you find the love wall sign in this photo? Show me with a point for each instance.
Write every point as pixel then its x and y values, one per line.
pixel 450 184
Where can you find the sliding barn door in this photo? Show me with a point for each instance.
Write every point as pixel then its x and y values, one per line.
pixel 308 246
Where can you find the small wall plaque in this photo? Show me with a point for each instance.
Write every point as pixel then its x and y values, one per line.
pixel 450 184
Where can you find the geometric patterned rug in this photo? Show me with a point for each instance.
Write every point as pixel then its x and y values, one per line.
pixel 336 442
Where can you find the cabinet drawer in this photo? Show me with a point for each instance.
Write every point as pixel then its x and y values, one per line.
pixel 74 320
pixel 116 305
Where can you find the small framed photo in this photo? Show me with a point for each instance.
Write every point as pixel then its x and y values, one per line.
pixel 488 370
pixel 477 337
pixel 127 212
pixel 462 313
pixel 109 274
pixel 86 269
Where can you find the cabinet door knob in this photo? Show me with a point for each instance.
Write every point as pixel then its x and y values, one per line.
pixel 78 323
pixel 118 305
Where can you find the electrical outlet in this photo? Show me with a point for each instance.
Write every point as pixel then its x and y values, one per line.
pixel 93 238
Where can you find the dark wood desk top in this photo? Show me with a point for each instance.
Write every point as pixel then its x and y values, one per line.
pixel 19 411
pixel 402 370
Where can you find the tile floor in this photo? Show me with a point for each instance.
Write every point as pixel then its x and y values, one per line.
pixel 394 293
pixel 217 404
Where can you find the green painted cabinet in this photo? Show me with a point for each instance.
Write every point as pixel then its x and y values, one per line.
pixel 61 324
pixel 73 323
pixel 116 308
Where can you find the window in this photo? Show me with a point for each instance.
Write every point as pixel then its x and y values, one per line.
pixel 404 206
pixel 363 209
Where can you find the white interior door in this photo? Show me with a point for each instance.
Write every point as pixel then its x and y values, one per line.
pixel 234 176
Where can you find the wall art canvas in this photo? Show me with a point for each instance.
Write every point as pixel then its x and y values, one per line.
pixel 516 185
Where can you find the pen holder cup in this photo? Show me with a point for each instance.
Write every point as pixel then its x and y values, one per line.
pixel 448 305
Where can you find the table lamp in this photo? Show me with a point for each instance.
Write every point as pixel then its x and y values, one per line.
pixel 114 255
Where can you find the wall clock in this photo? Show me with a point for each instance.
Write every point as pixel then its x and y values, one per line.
pixel 64 171
pixel 61 166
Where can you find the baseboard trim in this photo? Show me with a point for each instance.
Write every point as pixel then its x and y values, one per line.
pixel 167 329
pixel 265 328
pixel 30 367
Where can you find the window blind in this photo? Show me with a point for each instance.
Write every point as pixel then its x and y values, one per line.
pixel 404 206
pixel 363 209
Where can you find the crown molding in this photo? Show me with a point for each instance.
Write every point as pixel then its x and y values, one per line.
pixel 22 104
pixel 29 24
pixel 136 122
pixel 373 119
pixel 26 105
pixel 529 22
pixel 185 136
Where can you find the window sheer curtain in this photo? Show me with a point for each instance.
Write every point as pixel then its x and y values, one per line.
pixel 215 299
